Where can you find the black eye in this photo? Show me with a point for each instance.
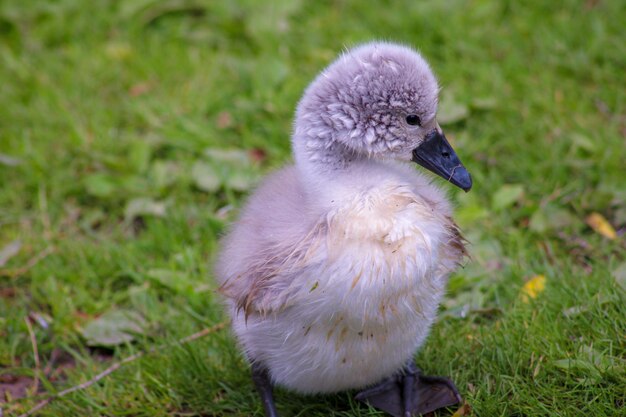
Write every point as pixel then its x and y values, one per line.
pixel 413 120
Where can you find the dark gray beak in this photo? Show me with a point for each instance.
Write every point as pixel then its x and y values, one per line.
pixel 436 155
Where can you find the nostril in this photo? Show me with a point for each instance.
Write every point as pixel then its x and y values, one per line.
pixel 446 154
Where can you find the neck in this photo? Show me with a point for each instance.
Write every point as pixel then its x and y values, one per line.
pixel 322 159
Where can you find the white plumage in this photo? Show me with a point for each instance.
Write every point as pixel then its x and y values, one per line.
pixel 336 267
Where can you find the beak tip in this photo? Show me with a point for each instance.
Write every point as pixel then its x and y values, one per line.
pixel 436 155
pixel 463 180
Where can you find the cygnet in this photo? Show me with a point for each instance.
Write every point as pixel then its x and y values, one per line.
pixel 336 267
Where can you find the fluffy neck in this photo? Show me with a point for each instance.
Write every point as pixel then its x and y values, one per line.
pixel 331 174
pixel 320 159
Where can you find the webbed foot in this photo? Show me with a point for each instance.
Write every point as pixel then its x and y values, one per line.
pixel 411 394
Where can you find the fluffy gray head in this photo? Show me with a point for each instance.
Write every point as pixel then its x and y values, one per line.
pixel 359 105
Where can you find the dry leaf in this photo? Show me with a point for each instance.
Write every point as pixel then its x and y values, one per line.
pixel 9 160
pixel 580 366
pixel 14 386
pixel 450 110
pixel 224 212
pixel 232 156
pixel 140 89
pixel 113 328
pixel 100 185
pixel 205 177
pixel 144 207
pixel 464 410
pixel 533 288
pixel 506 196
pixel 224 120
pixel 258 154
pixel 619 274
pixel 9 251
pixel 118 51
pixel 600 225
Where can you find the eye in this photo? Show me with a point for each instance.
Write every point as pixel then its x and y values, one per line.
pixel 413 120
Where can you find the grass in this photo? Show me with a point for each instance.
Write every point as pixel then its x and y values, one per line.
pixel 108 109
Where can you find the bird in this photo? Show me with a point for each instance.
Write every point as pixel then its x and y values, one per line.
pixel 335 268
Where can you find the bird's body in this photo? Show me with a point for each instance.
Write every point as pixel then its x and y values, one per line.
pixel 336 267
pixel 343 310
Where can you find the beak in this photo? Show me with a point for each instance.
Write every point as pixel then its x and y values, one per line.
pixel 436 155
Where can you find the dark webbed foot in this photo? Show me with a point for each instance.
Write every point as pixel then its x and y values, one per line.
pixel 264 387
pixel 411 394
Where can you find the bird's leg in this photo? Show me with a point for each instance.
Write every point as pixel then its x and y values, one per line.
pixel 408 383
pixel 264 387
pixel 410 393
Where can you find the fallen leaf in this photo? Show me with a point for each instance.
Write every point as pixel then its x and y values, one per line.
pixel 144 207
pixel 14 386
pixel 619 274
pixel 599 299
pixel 579 366
pixel 7 293
pixel 464 410
pixel 583 142
pixel 92 219
pixel 232 156
pixel 140 89
pixel 535 286
pixel 139 155
pixel 601 360
pixel 175 280
pixel 9 251
pixel 485 103
pixel 506 196
pixel 133 184
pixel 451 111
pixel 620 216
pixel 100 185
pixel 240 181
pixel 205 177
pixel 9 160
pixel 114 328
pixel 575 311
pixel 270 75
pixel 539 221
pixel 552 218
pixel 268 19
pixel 118 51
pixel 42 319
pixel 600 225
pixel 258 154
pixel 462 305
pixel 60 363
pixel 224 120
pixel 224 212
pixel 164 173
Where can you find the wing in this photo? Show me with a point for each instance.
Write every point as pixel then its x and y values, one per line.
pixel 275 238
pixel 265 284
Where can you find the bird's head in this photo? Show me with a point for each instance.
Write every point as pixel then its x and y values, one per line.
pixel 378 100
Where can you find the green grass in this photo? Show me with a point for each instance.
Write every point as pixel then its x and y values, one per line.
pixel 106 102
